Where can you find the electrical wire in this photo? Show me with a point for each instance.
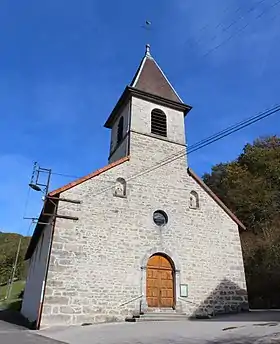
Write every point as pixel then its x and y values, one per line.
pixel 239 127
pixel 201 144
pixel 208 142
pixel 251 9
pixel 26 202
pixel 238 9
pixel 61 174
pixel 64 175
pixel 260 114
pixel 205 143
pixel 223 132
pixel 239 31
pixel 28 232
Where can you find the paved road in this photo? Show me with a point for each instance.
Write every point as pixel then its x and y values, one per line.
pixel 12 334
pixel 254 328
pixel 242 329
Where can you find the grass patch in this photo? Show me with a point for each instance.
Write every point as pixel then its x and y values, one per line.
pixel 12 305
pixel 17 287
pixel 13 302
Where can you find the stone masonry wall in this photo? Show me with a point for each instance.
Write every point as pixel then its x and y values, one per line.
pixel 141 120
pixel 96 261
pixel 118 152
pixel 97 270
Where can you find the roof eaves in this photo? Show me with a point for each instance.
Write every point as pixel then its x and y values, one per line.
pixel 160 100
pixel 138 72
pixel 216 198
pixel 132 91
pixel 89 176
pixel 115 112
pixel 48 208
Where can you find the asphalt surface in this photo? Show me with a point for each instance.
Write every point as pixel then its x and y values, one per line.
pixel 12 334
pixel 252 328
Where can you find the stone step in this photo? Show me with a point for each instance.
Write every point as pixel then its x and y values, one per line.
pixel 160 318
pixel 160 310
pixel 165 314
pixel 157 316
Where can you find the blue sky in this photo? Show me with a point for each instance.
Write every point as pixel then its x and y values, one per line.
pixel 64 63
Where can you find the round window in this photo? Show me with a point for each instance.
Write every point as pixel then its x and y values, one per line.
pixel 160 218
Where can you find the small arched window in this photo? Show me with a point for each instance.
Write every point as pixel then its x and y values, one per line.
pixel 194 200
pixel 120 131
pixel 158 123
pixel 120 188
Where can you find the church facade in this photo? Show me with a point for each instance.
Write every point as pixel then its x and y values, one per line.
pixel 143 233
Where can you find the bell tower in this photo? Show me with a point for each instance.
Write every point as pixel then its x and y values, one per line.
pixel 148 120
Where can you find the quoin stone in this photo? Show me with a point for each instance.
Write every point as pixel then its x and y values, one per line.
pixel 143 233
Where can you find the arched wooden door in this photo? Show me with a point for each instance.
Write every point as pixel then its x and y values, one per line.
pixel 160 282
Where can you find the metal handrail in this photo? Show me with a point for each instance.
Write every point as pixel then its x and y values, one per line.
pixel 180 298
pixel 136 298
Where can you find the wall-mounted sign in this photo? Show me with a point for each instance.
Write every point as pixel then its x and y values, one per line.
pixel 183 290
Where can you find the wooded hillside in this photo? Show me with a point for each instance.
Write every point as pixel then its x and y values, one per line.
pixel 250 187
pixel 8 249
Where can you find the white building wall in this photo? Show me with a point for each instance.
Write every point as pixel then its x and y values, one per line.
pixel 36 275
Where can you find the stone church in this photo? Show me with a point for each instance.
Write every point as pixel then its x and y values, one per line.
pixel 141 236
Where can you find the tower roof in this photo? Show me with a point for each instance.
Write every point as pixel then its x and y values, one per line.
pixel 151 79
pixel 149 83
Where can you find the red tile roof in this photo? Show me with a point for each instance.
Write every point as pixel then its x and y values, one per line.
pixel 216 198
pixel 89 176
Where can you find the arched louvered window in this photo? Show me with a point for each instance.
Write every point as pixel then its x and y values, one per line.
pixel 158 123
pixel 120 130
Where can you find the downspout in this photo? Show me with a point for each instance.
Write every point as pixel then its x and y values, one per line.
pixel 42 297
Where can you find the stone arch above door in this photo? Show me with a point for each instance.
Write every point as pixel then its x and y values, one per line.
pixel 164 251
pixel 177 269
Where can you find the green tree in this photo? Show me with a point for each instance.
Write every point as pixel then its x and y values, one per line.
pixel 250 187
pixel 8 249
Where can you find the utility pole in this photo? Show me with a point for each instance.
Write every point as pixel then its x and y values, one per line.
pixel 10 287
pixel 36 185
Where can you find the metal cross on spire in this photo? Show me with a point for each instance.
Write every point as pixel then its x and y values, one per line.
pixel 147 27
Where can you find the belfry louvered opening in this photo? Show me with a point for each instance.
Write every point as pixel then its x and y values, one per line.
pixel 158 123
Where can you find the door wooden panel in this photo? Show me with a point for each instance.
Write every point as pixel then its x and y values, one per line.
pixel 160 282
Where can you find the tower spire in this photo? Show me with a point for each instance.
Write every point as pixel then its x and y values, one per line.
pixel 151 79
pixel 148 51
